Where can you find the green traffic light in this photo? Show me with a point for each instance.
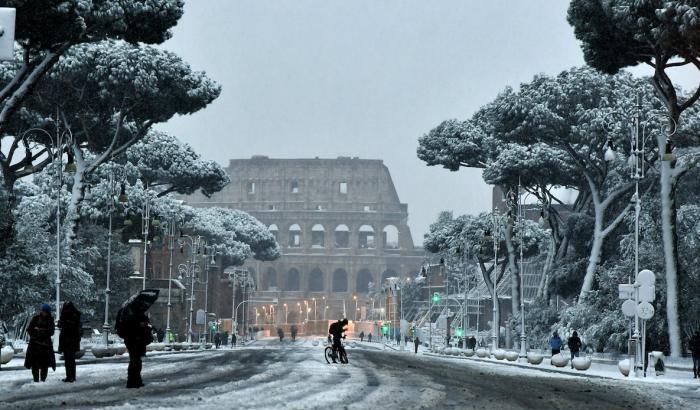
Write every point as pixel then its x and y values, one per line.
pixel 459 332
pixel 436 297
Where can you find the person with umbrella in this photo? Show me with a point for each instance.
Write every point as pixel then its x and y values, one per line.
pixel 133 326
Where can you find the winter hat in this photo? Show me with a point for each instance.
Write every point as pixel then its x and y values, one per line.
pixel 46 308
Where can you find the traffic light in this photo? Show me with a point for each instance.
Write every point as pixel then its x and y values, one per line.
pixel 385 329
pixel 436 297
pixel 459 332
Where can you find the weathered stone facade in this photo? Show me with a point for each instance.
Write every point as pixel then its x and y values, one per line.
pixel 340 226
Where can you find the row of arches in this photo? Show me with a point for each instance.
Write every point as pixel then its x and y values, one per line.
pixel 316 280
pixel 341 236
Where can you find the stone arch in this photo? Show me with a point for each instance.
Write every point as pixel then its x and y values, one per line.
pixel 390 237
pixel 342 236
pixel 340 281
pixel 293 280
pixel 270 279
pixel 275 231
pixel 295 236
pixel 318 236
pixel 366 237
pixel 316 280
pixel 364 277
pixel 389 273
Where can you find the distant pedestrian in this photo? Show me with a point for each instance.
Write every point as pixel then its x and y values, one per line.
pixel 69 338
pixel 555 343
pixel 574 344
pixel 369 337
pixel 416 343
pixel 217 340
pixel 40 350
pixel 133 326
pixel 362 336
pixel 293 330
pixel 233 340
pixel 471 343
pixel 280 333
pixel 695 348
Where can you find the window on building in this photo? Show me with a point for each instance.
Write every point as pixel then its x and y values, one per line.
pixel 390 237
pixel 319 207
pixel 271 207
pixel 295 187
pixel 367 208
pixel 295 236
pixel 366 237
pixel 251 187
pixel 342 236
pixel 318 236
pixel 274 230
pixel 343 187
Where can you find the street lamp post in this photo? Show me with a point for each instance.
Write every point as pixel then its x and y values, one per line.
pixel 169 229
pixel 146 220
pixel 636 162
pixel 315 318
pixel 355 297
pixel 286 314
pixel 495 328
pixel 122 199
pixel 195 243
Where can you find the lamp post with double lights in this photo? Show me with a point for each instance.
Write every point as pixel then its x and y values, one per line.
pixel 495 231
pixel 636 162
pixel 169 232
pixel 195 243
pixel 209 251
pixel 122 199
pixel 315 318
pixel 238 276
pixel 62 142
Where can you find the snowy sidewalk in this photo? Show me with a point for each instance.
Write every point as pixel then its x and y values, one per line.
pixel 598 369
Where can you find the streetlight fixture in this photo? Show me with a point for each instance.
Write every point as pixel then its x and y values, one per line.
pixel 63 141
pixel 636 162
pixel 145 221
pixel 195 244
pixel 286 314
pixel 495 328
pixel 315 318
pixel 356 309
pixel 122 199
pixel 169 230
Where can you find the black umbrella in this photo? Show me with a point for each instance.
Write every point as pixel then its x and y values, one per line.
pixel 142 300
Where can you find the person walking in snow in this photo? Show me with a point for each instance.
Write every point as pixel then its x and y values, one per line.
pixel 369 338
pixel 695 348
pixel 40 350
pixel 362 336
pixel 574 344
pixel 555 343
pixel 217 339
pixel 416 343
pixel 69 338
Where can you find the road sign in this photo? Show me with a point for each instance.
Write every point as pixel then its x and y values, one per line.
pixel 645 310
pixel 647 293
pixel 626 291
pixel 646 277
pixel 201 318
pixel 628 307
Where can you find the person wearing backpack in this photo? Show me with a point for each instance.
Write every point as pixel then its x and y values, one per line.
pixel 574 344
pixel 133 326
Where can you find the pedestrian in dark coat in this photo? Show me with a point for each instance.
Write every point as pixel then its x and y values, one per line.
pixel 574 344
pixel 233 340
pixel 69 338
pixel 695 348
pixel 217 339
pixel 133 326
pixel 362 336
pixel 40 350
pixel 369 338
pixel 416 343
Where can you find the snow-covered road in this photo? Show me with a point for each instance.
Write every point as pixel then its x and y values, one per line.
pixel 267 375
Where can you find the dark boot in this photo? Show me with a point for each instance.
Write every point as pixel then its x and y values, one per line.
pixel 44 373
pixel 35 374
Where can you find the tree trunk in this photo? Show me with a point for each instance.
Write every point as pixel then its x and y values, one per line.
pixel 596 249
pixel 669 236
pixel 76 198
pixel 514 270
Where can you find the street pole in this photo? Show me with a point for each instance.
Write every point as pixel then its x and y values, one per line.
pixel 105 325
pixel 170 232
pixel 523 339
pixel 430 308
pixel 495 328
pixel 147 215
pixel 315 318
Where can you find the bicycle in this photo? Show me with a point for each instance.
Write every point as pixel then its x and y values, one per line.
pixel 331 355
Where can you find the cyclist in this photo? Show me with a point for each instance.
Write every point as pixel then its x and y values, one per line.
pixel 336 330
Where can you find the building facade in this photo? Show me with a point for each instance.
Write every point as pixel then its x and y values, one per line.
pixel 341 228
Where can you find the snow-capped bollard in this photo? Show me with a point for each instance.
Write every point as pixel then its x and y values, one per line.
pixel 119 349
pixel 499 354
pixel 6 354
pixel 582 363
pixel 559 360
pixel 159 346
pixel 512 355
pixel 624 367
pixel 468 352
pixel 481 352
pixel 177 346
pixel 535 357
pixel 102 351
pixel 315 343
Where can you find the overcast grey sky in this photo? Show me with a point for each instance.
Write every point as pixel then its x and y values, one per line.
pixel 365 78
